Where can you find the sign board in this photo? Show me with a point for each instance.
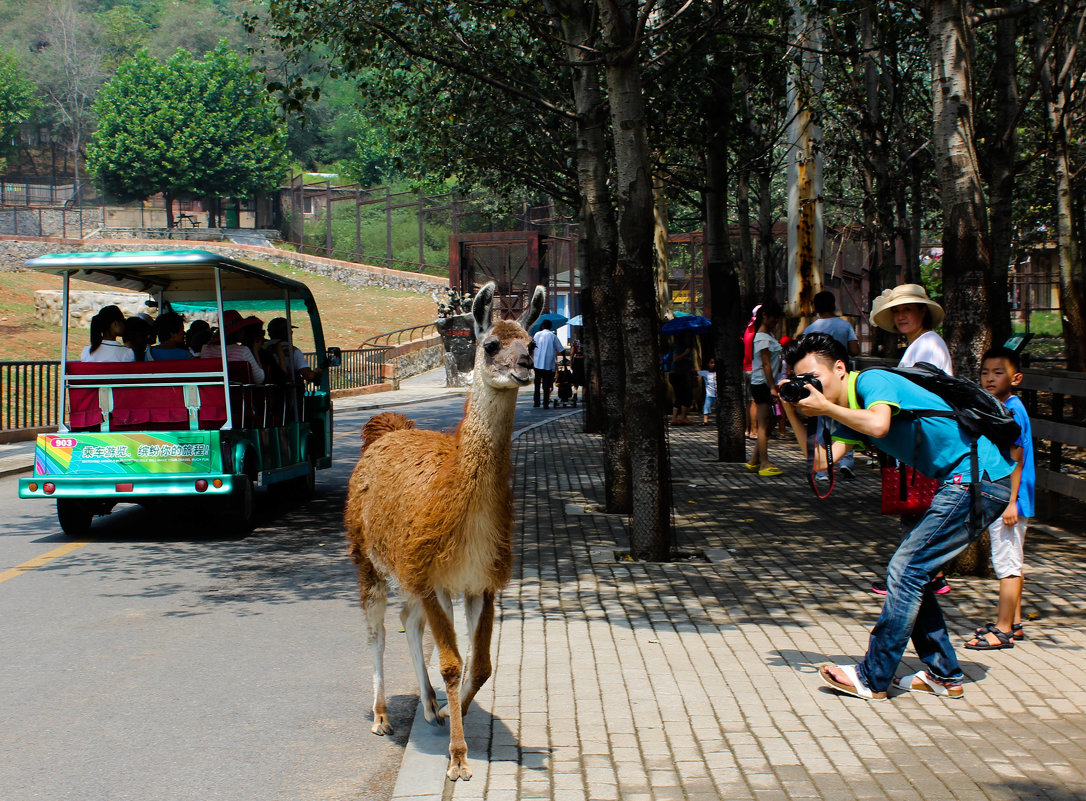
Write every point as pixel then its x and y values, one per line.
pixel 127 454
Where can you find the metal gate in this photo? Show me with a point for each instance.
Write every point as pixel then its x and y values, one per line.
pixel 513 260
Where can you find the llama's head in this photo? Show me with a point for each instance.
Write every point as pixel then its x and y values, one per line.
pixel 504 356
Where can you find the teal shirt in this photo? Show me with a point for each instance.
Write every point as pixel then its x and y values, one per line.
pixel 942 449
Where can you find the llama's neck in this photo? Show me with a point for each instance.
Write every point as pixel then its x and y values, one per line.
pixel 486 432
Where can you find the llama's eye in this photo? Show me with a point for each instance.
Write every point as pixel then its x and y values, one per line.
pixel 492 346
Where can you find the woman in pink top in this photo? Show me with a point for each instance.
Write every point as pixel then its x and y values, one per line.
pixel 748 366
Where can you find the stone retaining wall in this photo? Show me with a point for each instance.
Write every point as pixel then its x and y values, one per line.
pixel 416 357
pixel 38 222
pixel 83 305
pixel 15 251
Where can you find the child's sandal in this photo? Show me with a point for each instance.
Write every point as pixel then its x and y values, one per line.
pixel 981 643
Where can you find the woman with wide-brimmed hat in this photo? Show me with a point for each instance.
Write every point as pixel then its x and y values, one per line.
pixel 907 309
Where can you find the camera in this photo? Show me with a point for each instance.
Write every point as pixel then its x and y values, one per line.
pixel 795 389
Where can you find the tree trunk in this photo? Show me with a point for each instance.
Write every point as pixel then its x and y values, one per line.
pixel 1056 94
pixel 752 129
pixel 661 260
pixel 878 185
pixel 728 314
pixel 1001 182
pixel 967 272
pixel 765 238
pixel 742 217
pixel 650 524
pixel 600 238
pixel 167 198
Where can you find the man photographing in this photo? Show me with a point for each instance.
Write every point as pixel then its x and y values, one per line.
pixel 867 406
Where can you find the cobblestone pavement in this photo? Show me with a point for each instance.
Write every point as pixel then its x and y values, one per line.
pixel 699 680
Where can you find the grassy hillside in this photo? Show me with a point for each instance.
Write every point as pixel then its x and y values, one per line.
pixel 349 315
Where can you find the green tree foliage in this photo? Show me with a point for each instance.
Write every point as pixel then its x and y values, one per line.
pixel 123 31
pixel 17 99
pixel 186 127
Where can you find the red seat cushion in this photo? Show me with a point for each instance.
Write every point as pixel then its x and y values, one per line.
pixel 155 407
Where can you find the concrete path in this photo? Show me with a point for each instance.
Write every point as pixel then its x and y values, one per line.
pixel 650 682
pixel 616 680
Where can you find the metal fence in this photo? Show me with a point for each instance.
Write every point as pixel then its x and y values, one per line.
pixel 401 335
pixel 28 394
pixel 356 368
pixel 28 390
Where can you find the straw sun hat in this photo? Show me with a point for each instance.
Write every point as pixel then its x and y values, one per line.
pixel 901 296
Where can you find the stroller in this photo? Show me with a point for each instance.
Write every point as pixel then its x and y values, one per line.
pixel 563 380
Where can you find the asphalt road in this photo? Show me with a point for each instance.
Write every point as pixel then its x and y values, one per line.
pixel 158 662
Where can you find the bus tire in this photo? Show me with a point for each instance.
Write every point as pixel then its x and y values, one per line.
pixel 305 487
pixel 240 511
pixel 75 516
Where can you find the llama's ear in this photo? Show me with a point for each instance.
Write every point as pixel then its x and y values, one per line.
pixel 535 307
pixel 482 309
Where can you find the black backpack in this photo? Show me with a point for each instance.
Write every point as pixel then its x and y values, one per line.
pixel 977 412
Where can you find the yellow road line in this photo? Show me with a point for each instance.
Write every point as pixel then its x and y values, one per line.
pixel 38 561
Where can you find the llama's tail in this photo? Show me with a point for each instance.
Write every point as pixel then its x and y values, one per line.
pixel 382 424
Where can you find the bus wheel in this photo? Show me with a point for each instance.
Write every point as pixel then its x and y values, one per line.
pixel 75 516
pixel 304 487
pixel 240 512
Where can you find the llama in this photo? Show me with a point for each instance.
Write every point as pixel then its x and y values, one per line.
pixel 434 513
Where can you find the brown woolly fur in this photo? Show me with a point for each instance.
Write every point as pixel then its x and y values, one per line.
pixel 437 469
pixel 382 424
pixel 434 512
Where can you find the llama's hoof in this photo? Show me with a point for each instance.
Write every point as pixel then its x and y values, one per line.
pixel 458 769
pixel 381 725
pixel 431 713
pixel 443 713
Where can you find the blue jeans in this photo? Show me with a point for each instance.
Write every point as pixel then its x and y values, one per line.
pixel 910 609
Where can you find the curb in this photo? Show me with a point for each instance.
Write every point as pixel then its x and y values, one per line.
pixel 426 756
pixel 15 469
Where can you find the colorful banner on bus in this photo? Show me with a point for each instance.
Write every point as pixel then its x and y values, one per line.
pixel 160 452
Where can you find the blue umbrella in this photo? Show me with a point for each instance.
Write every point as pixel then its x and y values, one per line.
pixel 688 323
pixel 557 320
pixel 575 320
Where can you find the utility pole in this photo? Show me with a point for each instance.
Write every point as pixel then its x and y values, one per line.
pixel 805 233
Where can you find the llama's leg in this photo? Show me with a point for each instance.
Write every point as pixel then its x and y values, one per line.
pixel 414 624
pixel 481 632
pixel 441 624
pixel 472 607
pixel 374 596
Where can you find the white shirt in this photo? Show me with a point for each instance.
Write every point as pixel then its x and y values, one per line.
pixel 928 347
pixel 710 382
pixel 298 360
pixel 234 353
pixel 108 351
pixel 763 341
pixel 547 348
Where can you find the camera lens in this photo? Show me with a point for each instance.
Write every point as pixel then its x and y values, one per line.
pixel 792 392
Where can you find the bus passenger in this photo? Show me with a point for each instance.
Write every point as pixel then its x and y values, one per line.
pixel 170 329
pixel 235 332
pixel 105 327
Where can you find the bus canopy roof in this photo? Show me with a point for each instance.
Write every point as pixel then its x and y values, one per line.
pixel 179 275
